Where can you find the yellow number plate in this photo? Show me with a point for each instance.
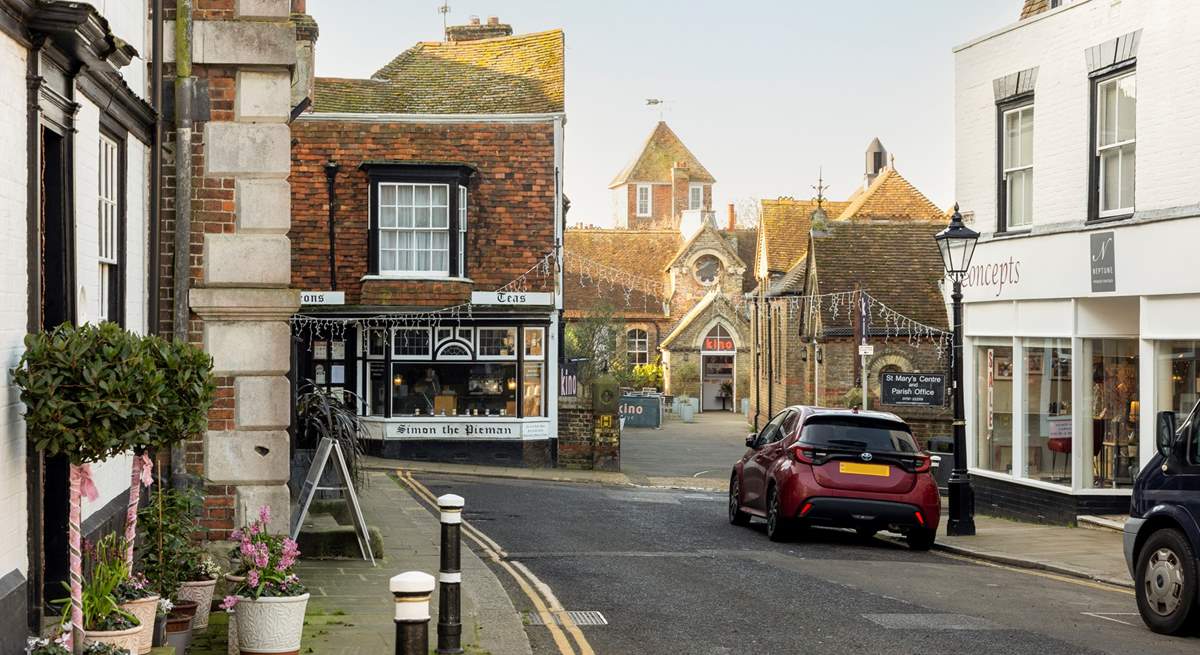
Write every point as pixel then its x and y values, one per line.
pixel 854 468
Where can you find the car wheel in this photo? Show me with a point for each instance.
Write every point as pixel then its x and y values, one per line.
pixel 1166 582
pixel 736 515
pixel 778 526
pixel 920 538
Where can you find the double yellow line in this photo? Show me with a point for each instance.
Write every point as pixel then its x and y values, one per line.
pixel 544 602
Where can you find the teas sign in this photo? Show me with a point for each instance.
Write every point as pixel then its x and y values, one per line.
pixel 912 389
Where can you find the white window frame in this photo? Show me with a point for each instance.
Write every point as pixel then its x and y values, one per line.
pixel 479 332
pixel 1009 170
pixel 462 231
pixel 637 200
pixel 1128 145
pixel 411 358
pixel 443 357
pixel 413 231
pixel 695 189
pixel 109 220
pixel 637 347
pixel 525 346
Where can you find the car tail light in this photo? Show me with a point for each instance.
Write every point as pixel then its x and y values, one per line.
pixel 920 519
pixel 923 464
pixel 802 454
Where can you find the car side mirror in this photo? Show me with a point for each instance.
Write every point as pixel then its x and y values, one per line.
pixel 751 439
pixel 1165 433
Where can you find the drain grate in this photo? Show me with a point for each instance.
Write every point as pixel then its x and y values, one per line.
pixel 931 621
pixel 580 617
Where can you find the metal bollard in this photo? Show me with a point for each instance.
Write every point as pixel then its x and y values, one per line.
pixel 449 628
pixel 411 591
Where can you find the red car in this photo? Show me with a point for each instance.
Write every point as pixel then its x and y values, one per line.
pixel 839 468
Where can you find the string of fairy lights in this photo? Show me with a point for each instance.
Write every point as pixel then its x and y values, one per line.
pixel 653 296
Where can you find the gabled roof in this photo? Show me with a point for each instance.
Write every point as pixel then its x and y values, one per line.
pixel 659 154
pixel 643 255
pixel 694 313
pixel 784 224
pixel 896 262
pixel 891 197
pixel 520 74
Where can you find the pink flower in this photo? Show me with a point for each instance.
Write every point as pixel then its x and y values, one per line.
pixel 247 549
pixel 261 559
pixel 236 535
pixel 229 603
pixel 252 577
pixel 290 547
pixel 264 513
pixel 255 528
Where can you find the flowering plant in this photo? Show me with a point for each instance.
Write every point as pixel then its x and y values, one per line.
pixel 204 568
pixel 44 646
pixel 164 607
pixel 267 562
pixel 98 648
pixel 135 587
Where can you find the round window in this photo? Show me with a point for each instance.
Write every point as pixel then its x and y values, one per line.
pixel 707 269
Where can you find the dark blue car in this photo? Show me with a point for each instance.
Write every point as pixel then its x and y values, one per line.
pixel 1162 535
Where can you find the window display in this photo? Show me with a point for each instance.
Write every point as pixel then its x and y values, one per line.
pixel 993 403
pixel 1178 377
pixel 1048 410
pixel 1112 398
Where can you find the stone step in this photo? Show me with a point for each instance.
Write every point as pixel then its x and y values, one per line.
pixel 1110 523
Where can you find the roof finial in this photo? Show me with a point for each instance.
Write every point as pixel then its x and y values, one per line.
pixel 820 186
pixel 444 9
pixel 892 161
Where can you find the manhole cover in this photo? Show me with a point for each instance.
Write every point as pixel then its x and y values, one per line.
pixel 580 617
pixel 931 621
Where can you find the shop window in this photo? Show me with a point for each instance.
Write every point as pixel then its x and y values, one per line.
pixel 535 343
pixel 453 351
pixel 1114 158
pixel 376 392
pixel 994 407
pixel 375 342
pixel 410 343
pixel 497 343
pixel 454 389
pixel 1178 377
pixel 531 392
pixel 636 347
pixel 1048 410
pixel 1113 400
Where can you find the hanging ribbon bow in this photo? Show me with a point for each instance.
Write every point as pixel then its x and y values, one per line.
pixel 147 471
pixel 83 475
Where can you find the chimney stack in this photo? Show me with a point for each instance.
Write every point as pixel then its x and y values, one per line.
pixel 876 160
pixel 474 30
pixel 732 218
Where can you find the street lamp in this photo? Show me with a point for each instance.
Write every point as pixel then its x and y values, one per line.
pixel 957 244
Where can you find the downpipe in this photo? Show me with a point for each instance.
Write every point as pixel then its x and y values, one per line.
pixel 183 198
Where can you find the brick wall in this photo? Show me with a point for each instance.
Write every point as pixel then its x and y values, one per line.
pixel 510 205
pixel 575 425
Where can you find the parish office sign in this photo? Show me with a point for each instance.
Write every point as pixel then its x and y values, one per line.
pixel 912 389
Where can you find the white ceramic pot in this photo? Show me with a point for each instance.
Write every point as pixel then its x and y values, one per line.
pixel 200 591
pixel 129 639
pixel 231 646
pixel 144 609
pixel 270 625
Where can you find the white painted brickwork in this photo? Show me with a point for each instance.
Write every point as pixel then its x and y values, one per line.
pixel 1168 73
pixel 13 300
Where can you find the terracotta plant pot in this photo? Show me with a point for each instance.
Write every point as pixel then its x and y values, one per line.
pixel 179 625
pixel 270 625
pixel 231 647
pixel 129 639
pixel 144 609
pixel 200 591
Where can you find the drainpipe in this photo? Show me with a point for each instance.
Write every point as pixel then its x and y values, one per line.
pixel 331 171
pixel 156 97
pixel 183 195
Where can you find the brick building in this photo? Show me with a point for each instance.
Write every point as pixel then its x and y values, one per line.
pixel 668 275
pixel 879 241
pixel 448 212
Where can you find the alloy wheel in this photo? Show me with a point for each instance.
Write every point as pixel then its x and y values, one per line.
pixel 773 514
pixel 1163 581
pixel 735 493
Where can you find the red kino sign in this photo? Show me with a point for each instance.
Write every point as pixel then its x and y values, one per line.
pixel 718 344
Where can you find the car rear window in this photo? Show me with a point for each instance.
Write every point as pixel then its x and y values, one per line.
pixel 859 434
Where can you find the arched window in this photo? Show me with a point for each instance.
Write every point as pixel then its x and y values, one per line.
pixel 718 339
pixel 637 347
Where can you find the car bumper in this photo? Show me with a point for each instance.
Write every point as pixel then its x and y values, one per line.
pixel 1130 533
pixel 858 512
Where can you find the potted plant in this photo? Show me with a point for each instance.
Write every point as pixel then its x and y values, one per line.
pixel 200 575
pixel 163 608
pixel 89 392
pixel 270 602
pixel 47 646
pixel 106 649
pixel 134 594
pixel 179 625
pixel 103 619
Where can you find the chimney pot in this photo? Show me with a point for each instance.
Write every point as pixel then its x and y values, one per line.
pixel 474 20
pixel 732 218
pixel 493 20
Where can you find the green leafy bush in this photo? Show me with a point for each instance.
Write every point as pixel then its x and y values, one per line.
pixel 167 525
pixel 685 379
pixel 188 393
pixel 90 391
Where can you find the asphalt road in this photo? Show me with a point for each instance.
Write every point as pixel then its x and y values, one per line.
pixel 670 575
pixel 703 449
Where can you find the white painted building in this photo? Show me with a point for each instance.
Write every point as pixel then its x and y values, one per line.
pixel 1075 135
pixel 74 220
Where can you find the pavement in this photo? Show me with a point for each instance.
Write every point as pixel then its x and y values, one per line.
pixel 685 455
pixel 650 570
pixel 353 594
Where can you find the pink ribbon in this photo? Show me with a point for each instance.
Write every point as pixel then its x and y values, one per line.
pixel 83 475
pixel 147 470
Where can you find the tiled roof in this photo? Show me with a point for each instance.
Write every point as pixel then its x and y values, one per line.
pixel 896 262
pixel 891 197
pixel 509 75
pixel 792 282
pixel 641 254
pixel 690 317
pixel 784 225
pixel 653 164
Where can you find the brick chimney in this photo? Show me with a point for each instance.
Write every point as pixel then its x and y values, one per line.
pixel 473 30
pixel 732 218
pixel 680 177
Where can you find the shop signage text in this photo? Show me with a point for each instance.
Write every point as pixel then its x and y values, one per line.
pixel 1104 262
pixel 993 275
pixel 322 297
pixel 641 411
pixel 718 344
pixel 912 389
pixel 454 430
pixel 519 298
pixel 568 378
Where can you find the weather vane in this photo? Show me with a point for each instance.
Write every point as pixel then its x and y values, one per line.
pixel 444 9
pixel 820 187
pixel 660 103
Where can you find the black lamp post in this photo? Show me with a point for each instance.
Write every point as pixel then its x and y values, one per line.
pixel 957 244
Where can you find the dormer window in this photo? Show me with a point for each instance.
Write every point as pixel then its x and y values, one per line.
pixel 644 205
pixel 418 220
pixel 696 196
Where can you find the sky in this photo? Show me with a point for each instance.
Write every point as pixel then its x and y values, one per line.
pixel 766 94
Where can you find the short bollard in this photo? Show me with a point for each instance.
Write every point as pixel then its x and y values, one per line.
pixel 411 591
pixel 449 628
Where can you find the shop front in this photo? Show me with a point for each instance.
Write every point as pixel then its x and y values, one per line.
pixel 471 388
pixel 1062 390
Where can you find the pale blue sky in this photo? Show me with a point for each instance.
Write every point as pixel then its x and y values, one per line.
pixel 764 93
